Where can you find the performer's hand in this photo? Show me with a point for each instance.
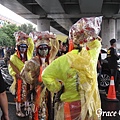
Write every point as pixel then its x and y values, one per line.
pixel 99 38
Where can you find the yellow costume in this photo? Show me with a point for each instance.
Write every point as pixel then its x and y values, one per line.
pixel 76 71
pixel 82 87
pixel 19 64
pixel 24 52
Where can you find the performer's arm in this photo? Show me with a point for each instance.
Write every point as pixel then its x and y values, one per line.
pixel 94 49
pixel 52 74
pixel 30 48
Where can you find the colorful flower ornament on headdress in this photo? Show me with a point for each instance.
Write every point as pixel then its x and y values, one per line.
pixel 21 38
pixel 85 29
pixel 46 37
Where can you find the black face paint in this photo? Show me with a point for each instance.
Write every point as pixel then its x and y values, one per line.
pixel 43 50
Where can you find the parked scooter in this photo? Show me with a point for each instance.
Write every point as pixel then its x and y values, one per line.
pixel 6 76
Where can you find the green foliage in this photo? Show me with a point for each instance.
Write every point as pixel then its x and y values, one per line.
pixel 6 33
pixel 3 38
pixel 27 28
pixel 7 36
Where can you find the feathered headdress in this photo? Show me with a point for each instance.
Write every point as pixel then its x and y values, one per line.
pixel 48 38
pixel 21 38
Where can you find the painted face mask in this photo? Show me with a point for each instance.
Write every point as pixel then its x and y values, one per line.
pixel 43 50
pixel 22 48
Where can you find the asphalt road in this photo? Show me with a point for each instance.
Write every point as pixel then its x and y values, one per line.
pixel 11 108
pixel 110 109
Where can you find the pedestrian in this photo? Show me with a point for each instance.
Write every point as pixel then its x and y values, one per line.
pixel 24 52
pixel 46 47
pixel 112 58
pixel 6 55
pixel 75 72
pixel 65 47
pixel 60 49
pixel 3 99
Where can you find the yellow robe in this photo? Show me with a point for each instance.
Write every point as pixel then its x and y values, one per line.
pixel 19 64
pixel 77 71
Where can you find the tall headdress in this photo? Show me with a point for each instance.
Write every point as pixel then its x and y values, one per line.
pixel 48 38
pixel 85 29
pixel 21 38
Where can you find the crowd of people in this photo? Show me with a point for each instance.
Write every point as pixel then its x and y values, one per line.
pixel 6 51
pixel 56 80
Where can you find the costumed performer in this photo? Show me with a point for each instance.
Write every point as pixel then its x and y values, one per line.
pixel 76 71
pixel 24 52
pixel 46 49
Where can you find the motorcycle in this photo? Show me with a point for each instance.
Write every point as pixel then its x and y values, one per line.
pixel 5 74
pixel 104 74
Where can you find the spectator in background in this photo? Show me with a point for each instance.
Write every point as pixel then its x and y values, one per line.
pixel 112 58
pixel 12 50
pixel 99 69
pixel 65 47
pixel 60 49
pixel 6 55
pixel 3 99
pixel 1 51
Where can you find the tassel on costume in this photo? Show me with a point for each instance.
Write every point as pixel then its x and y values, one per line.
pixel 19 88
pixel 71 45
pixel 37 98
pixel 67 111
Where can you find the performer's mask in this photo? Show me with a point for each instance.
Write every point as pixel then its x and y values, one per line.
pixel 22 48
pixel 43 50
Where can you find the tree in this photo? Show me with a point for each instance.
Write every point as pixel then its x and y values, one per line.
pixel 3 38
pixel 8 31
pixel 27 28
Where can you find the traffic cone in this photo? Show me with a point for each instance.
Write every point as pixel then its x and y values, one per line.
pixel 111 91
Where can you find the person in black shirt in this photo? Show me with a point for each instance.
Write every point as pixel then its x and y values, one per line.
pixel 3 99
pixel 99 69
pixel 112 58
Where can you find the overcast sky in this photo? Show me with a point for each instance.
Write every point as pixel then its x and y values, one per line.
pixel 9 14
